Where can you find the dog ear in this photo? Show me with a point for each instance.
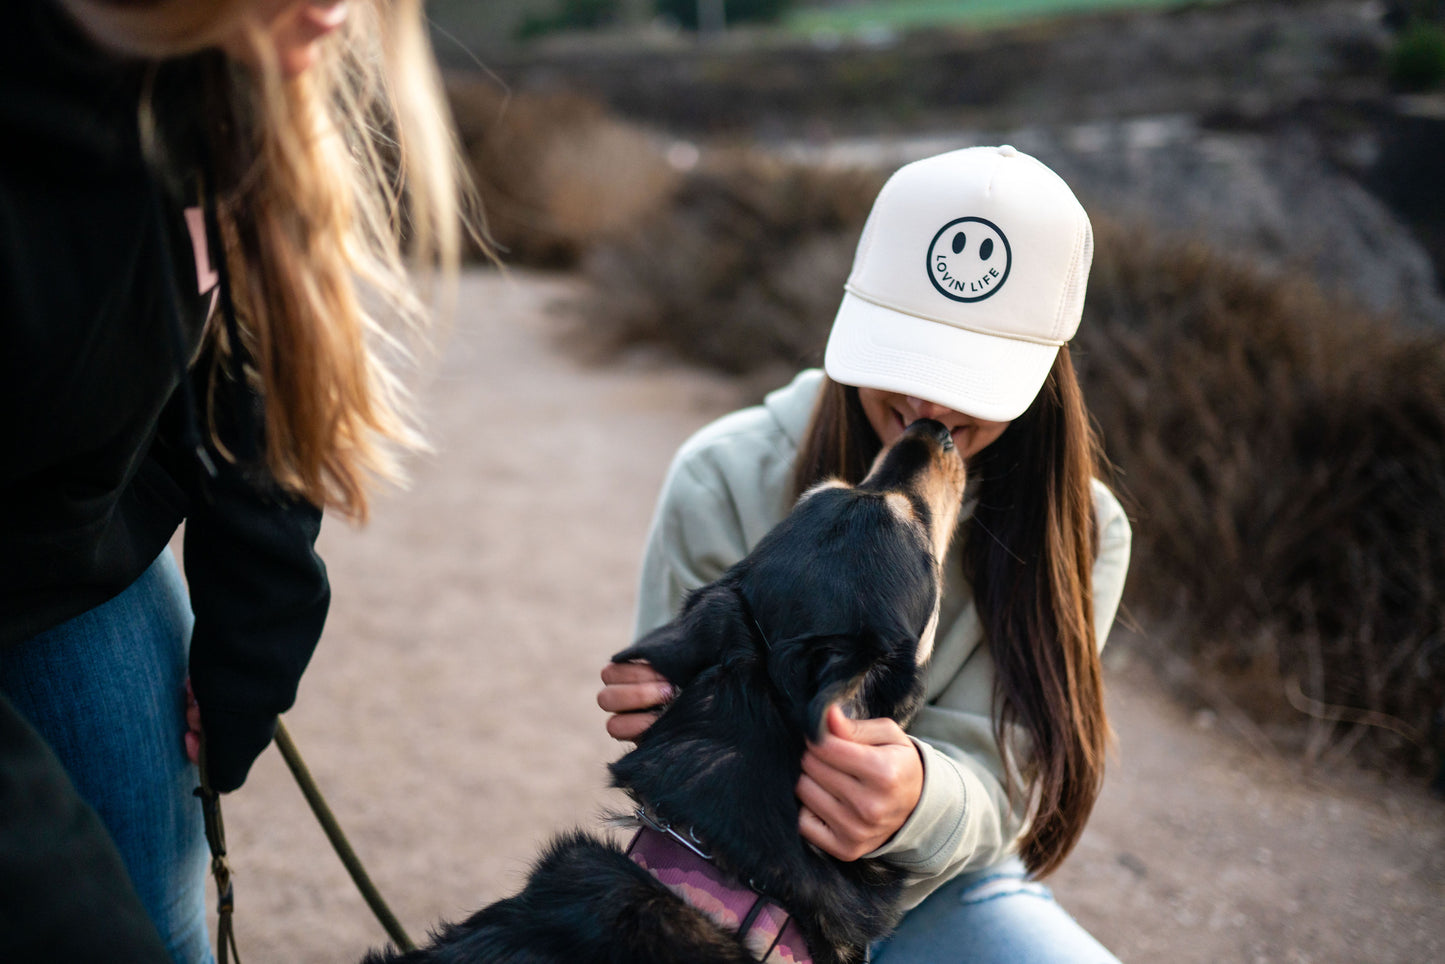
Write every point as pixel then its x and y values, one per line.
pixel 711 621
pixel 813 671
pixel 868 676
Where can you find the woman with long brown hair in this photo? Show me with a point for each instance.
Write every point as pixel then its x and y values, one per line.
pixel 215 218
pixel 968 283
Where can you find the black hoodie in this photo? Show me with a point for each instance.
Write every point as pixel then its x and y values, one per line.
pixel 103 299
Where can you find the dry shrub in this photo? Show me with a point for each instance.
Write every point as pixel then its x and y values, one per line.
pixel 556 173
pixel 742 271
pixel 1285 453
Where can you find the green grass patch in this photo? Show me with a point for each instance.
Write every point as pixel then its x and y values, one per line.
pixel 912 14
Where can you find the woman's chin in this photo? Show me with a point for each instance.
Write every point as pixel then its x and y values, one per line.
pixel 297 60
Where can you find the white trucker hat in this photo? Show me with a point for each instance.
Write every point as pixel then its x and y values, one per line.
pixel 969 276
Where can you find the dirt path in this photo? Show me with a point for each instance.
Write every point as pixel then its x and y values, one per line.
pixel 449 712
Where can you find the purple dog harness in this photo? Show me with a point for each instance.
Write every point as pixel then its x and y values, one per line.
pixel 767 930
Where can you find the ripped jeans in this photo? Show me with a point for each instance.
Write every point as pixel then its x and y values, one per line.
pixel 993 916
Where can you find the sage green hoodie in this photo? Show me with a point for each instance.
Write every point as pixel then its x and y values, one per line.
pixel 727 486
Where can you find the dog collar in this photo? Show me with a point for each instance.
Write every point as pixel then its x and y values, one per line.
pixel 679 864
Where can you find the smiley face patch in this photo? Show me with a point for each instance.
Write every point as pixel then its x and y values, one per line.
pixel 969 259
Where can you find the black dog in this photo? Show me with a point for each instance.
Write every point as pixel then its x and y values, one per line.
pixel 838 603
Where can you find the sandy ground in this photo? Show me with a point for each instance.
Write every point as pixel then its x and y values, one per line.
pixel 449 713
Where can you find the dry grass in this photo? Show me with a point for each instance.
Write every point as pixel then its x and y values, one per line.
pixel 742 271
pixel 1285 452
pixel 556 173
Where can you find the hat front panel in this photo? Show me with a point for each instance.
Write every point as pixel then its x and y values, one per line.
pixel 975 239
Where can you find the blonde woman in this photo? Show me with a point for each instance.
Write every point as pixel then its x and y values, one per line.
pixel 200 211
pixel 967 286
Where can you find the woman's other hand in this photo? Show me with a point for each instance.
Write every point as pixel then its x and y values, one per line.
pixel 193 725
pixel 634 693
pixel 859 784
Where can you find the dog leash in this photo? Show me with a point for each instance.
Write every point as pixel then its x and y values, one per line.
pixel 220 867
pixel 339 843
pixel 221 870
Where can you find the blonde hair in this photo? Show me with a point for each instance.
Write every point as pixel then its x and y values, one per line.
pixel 339 192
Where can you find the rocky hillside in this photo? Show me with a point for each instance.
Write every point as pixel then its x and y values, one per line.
pixel 1266 128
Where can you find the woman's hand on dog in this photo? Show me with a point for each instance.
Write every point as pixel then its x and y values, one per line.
pixel 633 693
pixel 859 784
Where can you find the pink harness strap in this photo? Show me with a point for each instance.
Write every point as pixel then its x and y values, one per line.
pixel 768 931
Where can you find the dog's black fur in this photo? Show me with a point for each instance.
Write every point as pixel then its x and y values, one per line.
pixel 830 606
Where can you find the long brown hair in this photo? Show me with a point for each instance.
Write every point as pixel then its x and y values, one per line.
pixel 1028 553
pixel 338 193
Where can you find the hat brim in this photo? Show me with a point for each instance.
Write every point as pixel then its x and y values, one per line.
pixel 985 376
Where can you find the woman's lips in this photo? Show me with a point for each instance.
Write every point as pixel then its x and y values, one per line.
pixel 323 18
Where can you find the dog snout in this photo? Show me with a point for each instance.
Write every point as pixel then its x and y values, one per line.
pixel 931 428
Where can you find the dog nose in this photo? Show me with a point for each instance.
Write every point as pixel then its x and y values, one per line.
pixel 928 426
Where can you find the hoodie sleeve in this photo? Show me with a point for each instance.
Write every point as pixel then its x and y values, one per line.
pixel 727 486
pixel 695 536
pixel 260 596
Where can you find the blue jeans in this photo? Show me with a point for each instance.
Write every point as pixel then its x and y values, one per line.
pixel 107 691
pixel 993 916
